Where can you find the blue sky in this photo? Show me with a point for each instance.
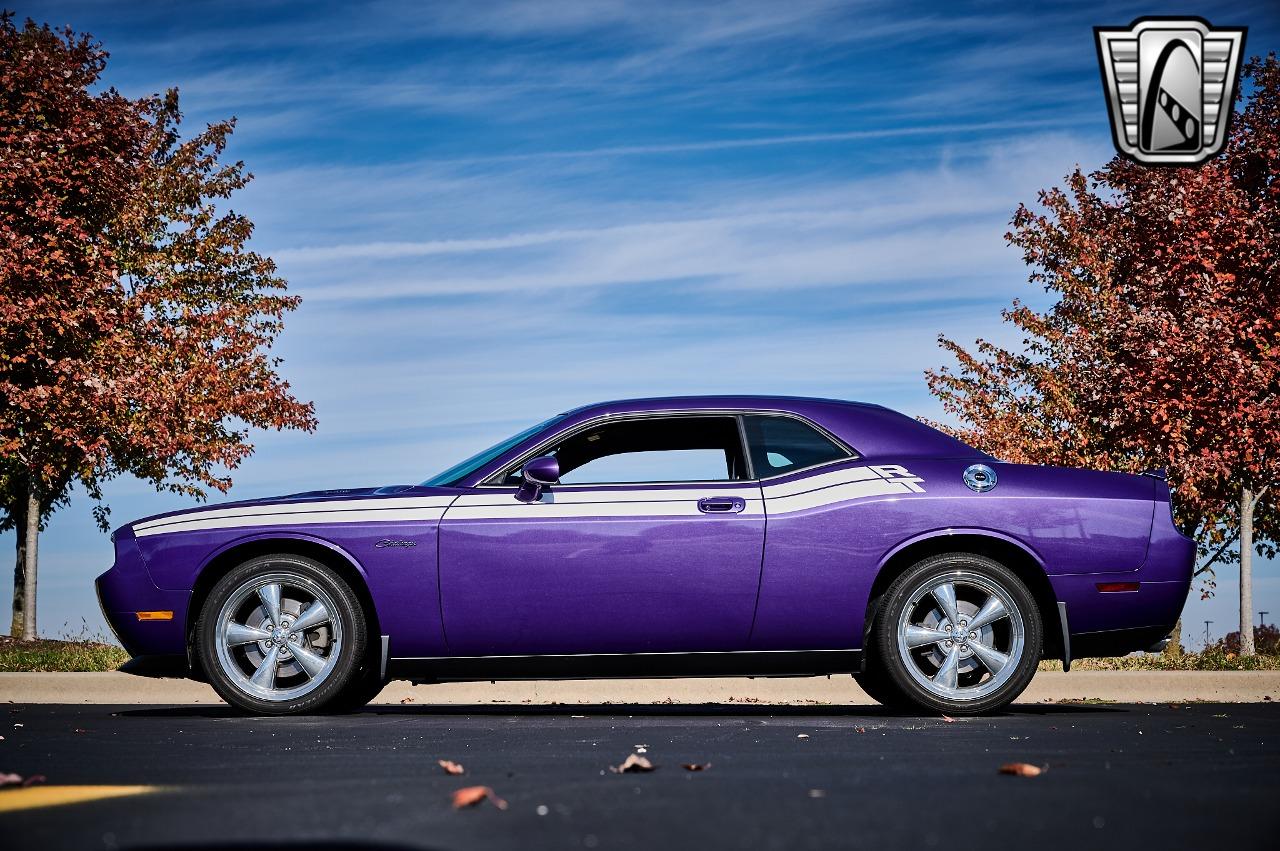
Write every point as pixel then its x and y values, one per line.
pixel 495 211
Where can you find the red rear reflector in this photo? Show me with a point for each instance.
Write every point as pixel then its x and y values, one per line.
pixel 1113 587
pixel 155 616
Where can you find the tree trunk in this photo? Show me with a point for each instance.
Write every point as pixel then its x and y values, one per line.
pixel 19 572
pixel 32 533
pixel 1246 572
pixel 1174 647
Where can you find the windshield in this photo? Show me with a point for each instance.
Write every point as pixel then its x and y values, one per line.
pixel 465 468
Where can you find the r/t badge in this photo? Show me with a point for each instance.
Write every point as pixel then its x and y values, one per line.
pixel 1171 86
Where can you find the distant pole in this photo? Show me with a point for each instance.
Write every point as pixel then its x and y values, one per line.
pixel 1262 618
pixel 1206 633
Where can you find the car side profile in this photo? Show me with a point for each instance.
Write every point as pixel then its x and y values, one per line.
pixel 705 536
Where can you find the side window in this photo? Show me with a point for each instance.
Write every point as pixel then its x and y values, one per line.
pixel 669 465
pixel 666 449
pixel 781 444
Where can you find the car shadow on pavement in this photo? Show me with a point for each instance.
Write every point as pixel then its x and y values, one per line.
pixel 272 845
pixel 652 710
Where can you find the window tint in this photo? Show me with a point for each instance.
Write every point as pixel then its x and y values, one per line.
pixel 781 444
pixel 666 449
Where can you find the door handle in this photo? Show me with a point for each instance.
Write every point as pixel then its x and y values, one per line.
pixel 721 504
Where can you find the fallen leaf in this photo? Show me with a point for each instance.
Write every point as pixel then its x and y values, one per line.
pixel 948 719
pixel 406 700
pixel 859 729
pixel 469 796
pixel 18 780
pixel 696 766
pixel 633 763
pixel 1022 769
pixel 451 767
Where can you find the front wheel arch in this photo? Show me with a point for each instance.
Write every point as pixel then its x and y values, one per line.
pixel 1025 565
pixel 234 556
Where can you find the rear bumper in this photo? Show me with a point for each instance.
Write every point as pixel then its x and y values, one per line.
pixel 1117 642
pixel 1118 622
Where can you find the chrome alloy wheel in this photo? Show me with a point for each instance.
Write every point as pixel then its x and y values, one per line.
pixel 961 635
pixel 278 637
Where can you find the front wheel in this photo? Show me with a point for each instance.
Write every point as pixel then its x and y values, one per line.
pixel 281 635
pixel 959 634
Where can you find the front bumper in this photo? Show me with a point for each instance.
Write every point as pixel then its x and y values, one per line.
pixel 126 589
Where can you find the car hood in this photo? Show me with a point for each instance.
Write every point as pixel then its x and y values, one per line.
pixel 336 494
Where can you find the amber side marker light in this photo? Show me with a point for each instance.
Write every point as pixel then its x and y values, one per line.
pixel 155 616
pixel 1117 587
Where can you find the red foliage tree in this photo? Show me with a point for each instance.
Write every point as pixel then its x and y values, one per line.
pixel 134 323
pixel 1163 346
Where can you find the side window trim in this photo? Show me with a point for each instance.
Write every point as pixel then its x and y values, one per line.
pixel 560 437
pixel 745 446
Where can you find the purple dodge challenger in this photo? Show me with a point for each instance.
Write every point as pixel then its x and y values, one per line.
pixel 703 536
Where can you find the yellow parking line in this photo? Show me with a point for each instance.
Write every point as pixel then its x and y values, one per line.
pixel 32 797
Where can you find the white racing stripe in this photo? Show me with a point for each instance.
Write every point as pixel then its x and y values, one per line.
pixel 840 486
pixel 802 494
pixel 602 503
pixel 302 508
pixel 329 511
pixel 560 495
pixel 404 515
pixel 835 494
pixel 822 480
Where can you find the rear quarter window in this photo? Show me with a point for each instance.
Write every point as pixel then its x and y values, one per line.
pixel 781 444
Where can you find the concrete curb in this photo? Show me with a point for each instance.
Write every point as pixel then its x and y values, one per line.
pixel 1047 687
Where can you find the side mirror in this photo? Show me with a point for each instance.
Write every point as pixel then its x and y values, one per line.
pixel 538 473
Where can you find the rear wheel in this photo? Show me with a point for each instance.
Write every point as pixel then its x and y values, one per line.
pixel 958 633
pixel 878 687
pixel 281 635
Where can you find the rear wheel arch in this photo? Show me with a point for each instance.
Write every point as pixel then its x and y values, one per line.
pixel 1018 559
pixel 227 560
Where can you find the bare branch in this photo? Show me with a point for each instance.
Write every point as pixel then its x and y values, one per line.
pixel 1226 545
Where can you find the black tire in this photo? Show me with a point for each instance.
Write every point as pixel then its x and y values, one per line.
pixel 362 689
pixel 965 569
pixel 347 614
pixel 872 678
pixel 880 689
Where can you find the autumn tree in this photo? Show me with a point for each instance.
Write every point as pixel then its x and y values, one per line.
pixel 1162 346
pixel 135 324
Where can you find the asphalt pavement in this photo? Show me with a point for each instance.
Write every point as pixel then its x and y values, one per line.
pixel 1201 776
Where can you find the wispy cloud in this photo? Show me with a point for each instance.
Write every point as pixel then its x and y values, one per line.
pixel 929 227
